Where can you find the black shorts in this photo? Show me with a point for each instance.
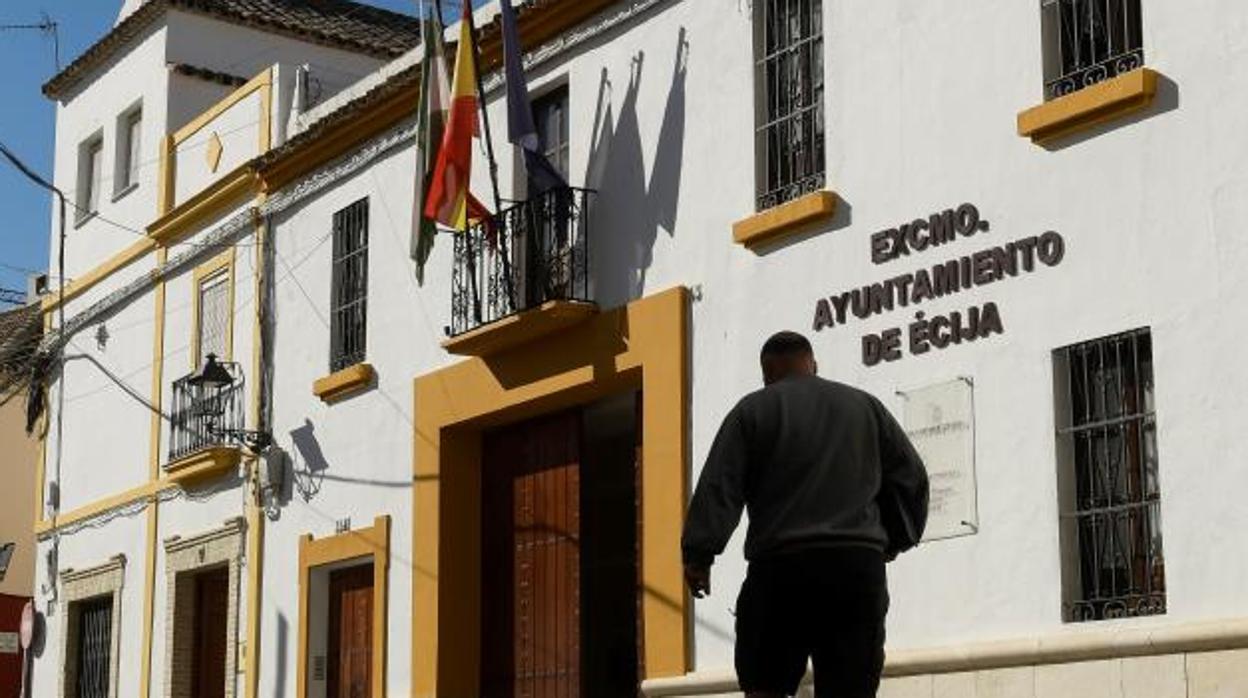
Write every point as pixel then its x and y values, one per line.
pixel 826 606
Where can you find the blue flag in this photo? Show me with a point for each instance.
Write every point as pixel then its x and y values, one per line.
pixel 521 131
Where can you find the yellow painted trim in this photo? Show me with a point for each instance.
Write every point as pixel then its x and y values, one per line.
pixel 261 81
pixel 266 115
pixel 95 508
pixel 78 286
pixel 371 542
pixel 149 599
pixel 1088 107
pixel 203 465
pixel 520 328
pixel 255 514
pixel 153 514
pixel 165 194
pixel 218 196
pixel 222 263
pixel 344 383
pixel 643 346
pixel 785 219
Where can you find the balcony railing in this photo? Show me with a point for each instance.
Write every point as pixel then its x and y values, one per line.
pixel 533 252
pixel 200 415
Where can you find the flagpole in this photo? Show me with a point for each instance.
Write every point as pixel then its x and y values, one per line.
pixel 489 153
pixel 485 113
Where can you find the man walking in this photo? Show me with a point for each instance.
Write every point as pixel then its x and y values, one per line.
pixel 834 489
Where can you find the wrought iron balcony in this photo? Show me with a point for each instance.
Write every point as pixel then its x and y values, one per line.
pixel 202 416
pixel 533 252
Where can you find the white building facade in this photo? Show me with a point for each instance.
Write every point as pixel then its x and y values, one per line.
pixel 1016 225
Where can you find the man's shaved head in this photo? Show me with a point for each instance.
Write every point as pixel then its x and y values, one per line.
pixel 786 354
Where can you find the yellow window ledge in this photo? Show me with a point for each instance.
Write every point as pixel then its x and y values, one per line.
pixel 344 383
pixel 1093 105
pixel 785 219
pixel 207 464
pixel 521 328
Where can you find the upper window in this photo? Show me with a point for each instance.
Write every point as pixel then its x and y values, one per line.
pixel 214 317
pixel 788 91
pixel 90 166
pixel 550 116
pixel 129 145
pixel 349 296
pixel 1113 565
pixel 1088 41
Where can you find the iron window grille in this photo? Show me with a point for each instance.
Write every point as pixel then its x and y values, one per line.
pixel 789 113
pixel 200 416
pixel 532 252
pixel 1089 41
pixel 95 643
pixel 349 294
pixel 1114 566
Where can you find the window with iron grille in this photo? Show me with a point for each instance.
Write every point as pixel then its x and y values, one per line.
pixel 349 301
pixel 788 87
pixel 1088 41
pixel 1113 564
pixel 93 662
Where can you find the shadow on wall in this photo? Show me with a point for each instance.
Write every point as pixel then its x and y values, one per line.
pixel 308 464
pixel 629 209
pixel 1166 100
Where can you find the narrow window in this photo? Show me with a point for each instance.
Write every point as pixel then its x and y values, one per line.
pixel 788 92
pixel 214 317
pixel 550 116
pixel 92 663
pixel 349 295
pixel 90 164
pixel 129 146
pixel 1113 565
pixel 1088 41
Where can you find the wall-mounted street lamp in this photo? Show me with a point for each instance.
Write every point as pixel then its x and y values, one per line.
pixel 212 380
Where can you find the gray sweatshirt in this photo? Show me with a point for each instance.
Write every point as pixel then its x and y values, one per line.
pixel 809 458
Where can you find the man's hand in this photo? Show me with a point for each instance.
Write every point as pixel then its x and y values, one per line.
pixel 698 577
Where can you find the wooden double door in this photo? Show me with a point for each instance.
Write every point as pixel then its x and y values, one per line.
pixel 350 670
pixel 560 590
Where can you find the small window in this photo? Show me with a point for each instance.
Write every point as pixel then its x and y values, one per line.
pixel 214 317
pixel 349 294
pixel 550 116
pixel 129 149
pixel 92 662
pixel 1113 564
pixel 90 169
pixel 1088 41
pixel 788 93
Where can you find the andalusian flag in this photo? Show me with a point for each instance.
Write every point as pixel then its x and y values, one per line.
pixel 448 199
pixel 435 101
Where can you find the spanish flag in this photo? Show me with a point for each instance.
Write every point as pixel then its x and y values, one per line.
pixel 449 200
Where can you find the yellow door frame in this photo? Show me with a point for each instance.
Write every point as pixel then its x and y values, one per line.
pixel 642 346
